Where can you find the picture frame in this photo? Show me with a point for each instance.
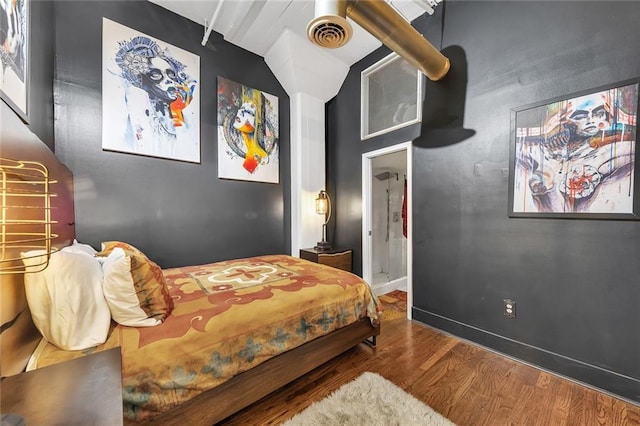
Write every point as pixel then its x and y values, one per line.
pixel 14 56
pixel 390 96
pixel 248 133
pixel 575 156
pixel 150 96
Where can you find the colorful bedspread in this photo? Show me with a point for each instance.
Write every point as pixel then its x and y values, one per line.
pixel 229 317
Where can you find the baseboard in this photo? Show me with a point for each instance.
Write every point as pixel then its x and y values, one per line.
pixel 397 284
pixel 603 380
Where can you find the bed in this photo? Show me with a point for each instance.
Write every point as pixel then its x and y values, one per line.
pixel 229 318
pixel 237 330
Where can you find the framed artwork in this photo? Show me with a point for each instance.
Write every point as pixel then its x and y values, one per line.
pixel 14 53
pixel 150 96
pixel 576 156
pixel 248 135
pixel 390 96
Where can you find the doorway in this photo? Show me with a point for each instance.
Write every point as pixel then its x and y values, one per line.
pixel 386 250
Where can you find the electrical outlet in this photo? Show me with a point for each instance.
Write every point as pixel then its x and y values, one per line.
pixel 509 308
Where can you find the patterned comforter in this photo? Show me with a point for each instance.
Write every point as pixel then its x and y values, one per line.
pixel 229 317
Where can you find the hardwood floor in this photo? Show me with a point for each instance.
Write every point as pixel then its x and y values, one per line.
pixel 466 383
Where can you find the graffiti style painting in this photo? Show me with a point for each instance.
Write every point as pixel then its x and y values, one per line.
pixel 576 157
pixel 247 133
pixel 150 96
pixel 14 41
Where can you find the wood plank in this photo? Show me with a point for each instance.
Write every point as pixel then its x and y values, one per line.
pixel 85 390
pixel 467 383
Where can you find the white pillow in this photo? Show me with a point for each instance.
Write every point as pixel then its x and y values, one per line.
pixel 66 300
pixel 77 247
pixel 124 294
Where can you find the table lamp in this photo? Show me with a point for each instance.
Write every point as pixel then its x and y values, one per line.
pixel 323 207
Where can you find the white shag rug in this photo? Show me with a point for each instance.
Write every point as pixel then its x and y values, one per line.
pixel 369 400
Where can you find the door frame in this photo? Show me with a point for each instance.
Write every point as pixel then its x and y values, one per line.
pixel 367 215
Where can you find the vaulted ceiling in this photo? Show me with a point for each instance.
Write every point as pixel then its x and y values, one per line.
pixel 256 25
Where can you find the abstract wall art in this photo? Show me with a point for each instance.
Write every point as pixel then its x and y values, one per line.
pixel 247 133
pixel 14 55
pixel 150 96
pixel 576 156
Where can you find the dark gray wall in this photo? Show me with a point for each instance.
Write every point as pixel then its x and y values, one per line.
pixel 345 149
pixel 575 281
pixel 177 213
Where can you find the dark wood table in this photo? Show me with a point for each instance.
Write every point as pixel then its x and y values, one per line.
pixel 83 391
pixel 338 258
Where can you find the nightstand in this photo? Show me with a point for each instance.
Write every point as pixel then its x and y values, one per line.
pixel 337 258
pixel 86 390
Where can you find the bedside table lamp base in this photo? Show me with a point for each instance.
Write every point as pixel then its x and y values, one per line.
pixel 324 244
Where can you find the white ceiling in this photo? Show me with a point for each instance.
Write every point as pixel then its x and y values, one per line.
pixel 256 25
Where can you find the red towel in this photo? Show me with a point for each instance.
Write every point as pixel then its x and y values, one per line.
pixel 404 210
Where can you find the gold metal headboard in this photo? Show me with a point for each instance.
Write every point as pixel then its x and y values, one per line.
pixel 25 215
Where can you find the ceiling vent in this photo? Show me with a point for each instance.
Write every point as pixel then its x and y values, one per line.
pixel 383 22
pixel 330 27
pixel 330 34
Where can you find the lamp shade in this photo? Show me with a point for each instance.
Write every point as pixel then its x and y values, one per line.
pixel 322 203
